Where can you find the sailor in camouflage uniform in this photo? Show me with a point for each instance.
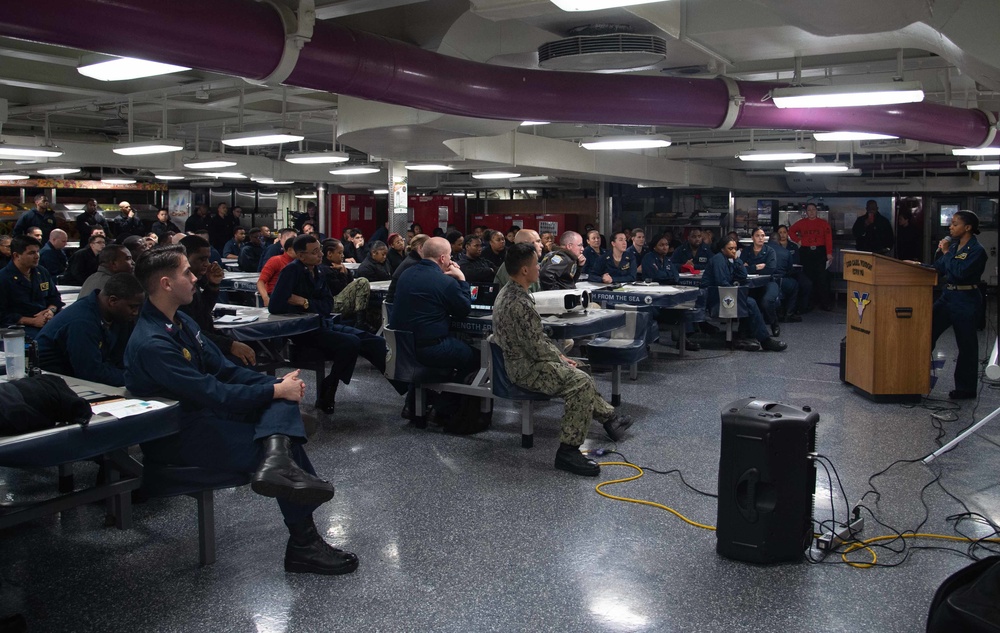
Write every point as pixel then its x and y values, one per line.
pixel 534 363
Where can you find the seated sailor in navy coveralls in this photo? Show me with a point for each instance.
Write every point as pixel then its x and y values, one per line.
pixel 958 307
pixel 693 252
pixel 725 269
pixel 761 259
pixel 615 266
pixel 235 419
pixel 28 296
pixel 795 288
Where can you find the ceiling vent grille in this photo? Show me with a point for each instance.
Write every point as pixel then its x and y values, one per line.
pixel 607 53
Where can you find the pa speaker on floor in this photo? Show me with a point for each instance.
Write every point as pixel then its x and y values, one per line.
pixel 766 481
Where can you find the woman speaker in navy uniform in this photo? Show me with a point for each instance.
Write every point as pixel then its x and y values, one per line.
pixel 962 265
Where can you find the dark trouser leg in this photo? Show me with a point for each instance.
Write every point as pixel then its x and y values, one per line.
pixel 963 306
pixel 370 347
pixel 231 444
pixel 766 299
pixel 814 267
pixel 805 292
pixel 756 322
pixel 789 295
pixel 339 347
pixel 450 353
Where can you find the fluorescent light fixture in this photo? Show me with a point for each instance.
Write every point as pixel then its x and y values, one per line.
pixel 58 171
pixel 13 176
pixel 141 148
pixel 29 151
pixel 534 179
pixel 983 165
pixel 209 164
pixel 531 123
pixel 380 192
pixel 596 5
pixel 626 142
pixel 531 192
pixel 495 175
pixel 271 181
pixel 261 137
pixel 224 174
pixel 976 151
pixel 848 96
pixel 306 196
pixel 357 170
pixel 127 68
pixel 118 181
pixel 774 154
pixel 817 168
pixel 169 177
pixel 428 167
pixel 850 136
pixel 317 158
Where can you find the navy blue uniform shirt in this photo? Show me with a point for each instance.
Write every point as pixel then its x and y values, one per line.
pixel 269 252
pixel 722 272
pixel 659 268
pixel 684 252
pixel 249 258
pixel 79 342
pixel 45 221
pixel 622 271
pixel 232 247
pixel 23 297
pixel 53 260
pixel 171 359
pixel 427 299
pixel 592 258
pixel 963 266
pixel 297 279
pixel 786 257
pixel 766 256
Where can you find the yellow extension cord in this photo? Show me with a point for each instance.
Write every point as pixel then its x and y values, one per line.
pixel 853 547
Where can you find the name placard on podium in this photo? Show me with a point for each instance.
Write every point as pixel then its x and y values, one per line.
pixel 889 309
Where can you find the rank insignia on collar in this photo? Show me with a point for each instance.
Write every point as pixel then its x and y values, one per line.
pixel 186 353
pixel 169 327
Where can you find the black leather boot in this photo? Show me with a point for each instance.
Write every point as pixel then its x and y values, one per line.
pixel 328 393
pixel 279 476
pixel 570 459
pixel 308 553
pixel 616 425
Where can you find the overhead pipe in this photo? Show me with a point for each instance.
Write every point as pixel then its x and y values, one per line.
pixel 249 39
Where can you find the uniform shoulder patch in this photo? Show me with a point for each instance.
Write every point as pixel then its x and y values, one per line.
pixel 557 259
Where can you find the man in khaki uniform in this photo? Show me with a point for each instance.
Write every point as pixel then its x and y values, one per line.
pixel 534 363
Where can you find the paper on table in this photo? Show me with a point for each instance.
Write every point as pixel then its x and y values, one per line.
pixel 233 319
pixel 127 407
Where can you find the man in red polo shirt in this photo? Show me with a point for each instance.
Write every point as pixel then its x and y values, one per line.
pixel 272 269
pixel 816 239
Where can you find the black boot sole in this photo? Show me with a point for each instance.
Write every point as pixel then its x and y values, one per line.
pixel 299 567
pixel 300 493
pixel 583 472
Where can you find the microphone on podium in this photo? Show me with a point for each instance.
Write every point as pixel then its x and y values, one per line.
pixel 947 238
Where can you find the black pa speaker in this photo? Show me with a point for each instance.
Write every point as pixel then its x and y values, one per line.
pixel 766 481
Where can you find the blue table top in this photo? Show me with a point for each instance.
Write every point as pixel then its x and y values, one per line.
pixel 267 325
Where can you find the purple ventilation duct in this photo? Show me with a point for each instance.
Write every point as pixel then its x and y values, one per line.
pixel 244 38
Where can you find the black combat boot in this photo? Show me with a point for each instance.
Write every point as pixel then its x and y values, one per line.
pixel 308 553
pixel 616 425
pixel 570 459
pixel 279 476
pixel 327 395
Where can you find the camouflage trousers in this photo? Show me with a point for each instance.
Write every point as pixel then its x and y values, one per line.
pixel 353 299
pixel 583 402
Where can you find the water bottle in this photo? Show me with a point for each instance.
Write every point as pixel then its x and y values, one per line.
pixel 13 352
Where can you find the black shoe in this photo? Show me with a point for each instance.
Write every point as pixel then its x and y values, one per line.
pixel 616 426
pixel 570 459
pixel 747 345
pixel 328 394
pixel 775 329
pixel 960 394
pixel 708 328
pixel 308 553
pixel 689 345
pixel 280 477
pixel 794 317
pixel 772 344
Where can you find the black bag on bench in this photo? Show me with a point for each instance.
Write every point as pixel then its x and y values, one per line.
pixel 39 402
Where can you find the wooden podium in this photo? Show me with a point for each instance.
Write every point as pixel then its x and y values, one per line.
pixel 889 309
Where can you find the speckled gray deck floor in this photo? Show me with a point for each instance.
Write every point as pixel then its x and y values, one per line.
pixel 477 534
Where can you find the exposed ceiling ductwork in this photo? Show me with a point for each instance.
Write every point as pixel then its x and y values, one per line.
pixel 247 39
